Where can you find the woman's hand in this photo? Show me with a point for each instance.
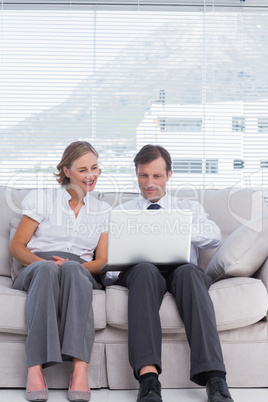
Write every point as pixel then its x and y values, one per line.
pixel 58 260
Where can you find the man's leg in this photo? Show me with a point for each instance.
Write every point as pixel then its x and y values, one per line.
pixel 146 291
pixel 189 285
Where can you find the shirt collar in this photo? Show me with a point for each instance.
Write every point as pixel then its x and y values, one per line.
pixel 144 203
pixel 67 195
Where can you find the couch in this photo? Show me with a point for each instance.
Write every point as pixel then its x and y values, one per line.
pixel 239 269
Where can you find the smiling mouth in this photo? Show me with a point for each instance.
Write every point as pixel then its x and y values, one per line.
pixel 89 183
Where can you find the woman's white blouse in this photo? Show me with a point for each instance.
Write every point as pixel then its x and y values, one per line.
pixel 59 229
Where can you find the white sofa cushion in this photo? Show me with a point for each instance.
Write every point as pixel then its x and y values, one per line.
pixel 238 302
pixel 12 310
pixel 243 252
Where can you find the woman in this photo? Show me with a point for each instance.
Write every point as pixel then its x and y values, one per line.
pixel 55 241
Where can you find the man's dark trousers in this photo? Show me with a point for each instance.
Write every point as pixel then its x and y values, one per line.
pixel 189 285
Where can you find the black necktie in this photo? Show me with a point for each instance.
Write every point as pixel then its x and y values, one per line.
pixel 154 206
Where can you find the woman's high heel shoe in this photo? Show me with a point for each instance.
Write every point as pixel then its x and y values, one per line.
pixel 78 396
pixel 37 396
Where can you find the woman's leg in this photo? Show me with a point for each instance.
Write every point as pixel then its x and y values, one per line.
pixel 77 330
pixel 40 281
pixel 79 376
pixel 35 379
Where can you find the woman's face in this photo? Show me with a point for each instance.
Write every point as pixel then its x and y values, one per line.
pixel 84 172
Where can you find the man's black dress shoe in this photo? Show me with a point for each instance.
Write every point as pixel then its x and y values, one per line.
pixel 217 390
pixel 150 390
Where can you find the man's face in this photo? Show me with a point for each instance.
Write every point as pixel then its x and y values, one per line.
pixel 152 178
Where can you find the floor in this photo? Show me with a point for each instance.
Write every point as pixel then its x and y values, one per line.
pixel 169 395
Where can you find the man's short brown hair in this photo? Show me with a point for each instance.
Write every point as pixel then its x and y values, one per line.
pixel 149 153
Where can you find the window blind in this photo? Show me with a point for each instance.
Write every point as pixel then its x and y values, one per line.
pixel 190 76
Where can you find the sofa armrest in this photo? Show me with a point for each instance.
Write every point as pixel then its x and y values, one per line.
pixel 262 273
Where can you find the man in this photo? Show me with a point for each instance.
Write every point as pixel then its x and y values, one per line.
pixel 188 284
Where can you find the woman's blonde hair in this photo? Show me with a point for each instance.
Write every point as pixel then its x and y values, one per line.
pixel 73 151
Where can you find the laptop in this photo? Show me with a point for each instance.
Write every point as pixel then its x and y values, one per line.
pixel 162 237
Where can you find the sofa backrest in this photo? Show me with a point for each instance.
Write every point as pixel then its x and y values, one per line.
pixel 229 208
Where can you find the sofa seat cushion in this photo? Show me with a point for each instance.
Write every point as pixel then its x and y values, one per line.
pixel 12 310
pixel 6 281
pixel 238 302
